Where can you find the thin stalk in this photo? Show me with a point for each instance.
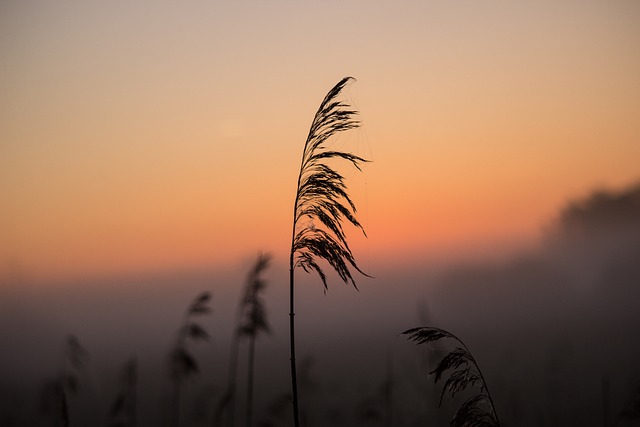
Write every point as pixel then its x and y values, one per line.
pixel 64 407
pixel 292 335
pixel 292 340
pixel 231 383
pixel 252 344
pixel 233 369
pixel 175 416
pixel 182 364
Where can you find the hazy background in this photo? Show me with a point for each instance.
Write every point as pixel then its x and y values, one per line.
pixel 148 152
pixel 554 327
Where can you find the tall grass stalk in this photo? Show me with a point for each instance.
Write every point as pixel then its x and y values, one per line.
pixel 254 322
pixel 322 200
pixel 182 364
pixel 228 401
pixel 251 320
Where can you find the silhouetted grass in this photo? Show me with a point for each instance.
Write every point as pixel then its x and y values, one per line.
pixel 463 371
pixel 254 321
pixel 251 320
pixel 182 364
pixel 322 199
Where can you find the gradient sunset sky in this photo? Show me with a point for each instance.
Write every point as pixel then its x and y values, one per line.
pixel 153 135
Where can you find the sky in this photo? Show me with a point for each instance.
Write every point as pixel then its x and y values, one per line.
pixel 152 136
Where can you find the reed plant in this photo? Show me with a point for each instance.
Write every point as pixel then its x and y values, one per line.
pixel 251 320
pixel 321 205
pixel 182 364
pixel 254 321
pixel 463 371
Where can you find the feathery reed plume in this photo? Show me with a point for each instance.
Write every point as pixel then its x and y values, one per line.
pixel 123 410
pixel 56 392
pixel 478 410
pixel 321 195
pixel 181 363
pixel 254 321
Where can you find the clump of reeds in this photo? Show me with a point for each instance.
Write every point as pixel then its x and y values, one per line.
pixel 182 364
pixel 321 205
pixel 463 371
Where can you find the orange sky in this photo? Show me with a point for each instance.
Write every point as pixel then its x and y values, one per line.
pixel 135 137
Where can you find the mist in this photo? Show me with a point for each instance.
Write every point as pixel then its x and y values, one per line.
pixel 554 327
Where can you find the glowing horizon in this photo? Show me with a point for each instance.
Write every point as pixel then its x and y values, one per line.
pixel 157 136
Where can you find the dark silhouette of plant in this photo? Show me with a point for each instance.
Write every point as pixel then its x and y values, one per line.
pixel 56 392
pixel 479 409
pixel 254 320
pixel 251 319
pixel 123 410
pixel 181 363
pixel 321 195
pixel 228 399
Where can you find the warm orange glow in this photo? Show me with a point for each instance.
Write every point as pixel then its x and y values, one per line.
pixel 175 139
